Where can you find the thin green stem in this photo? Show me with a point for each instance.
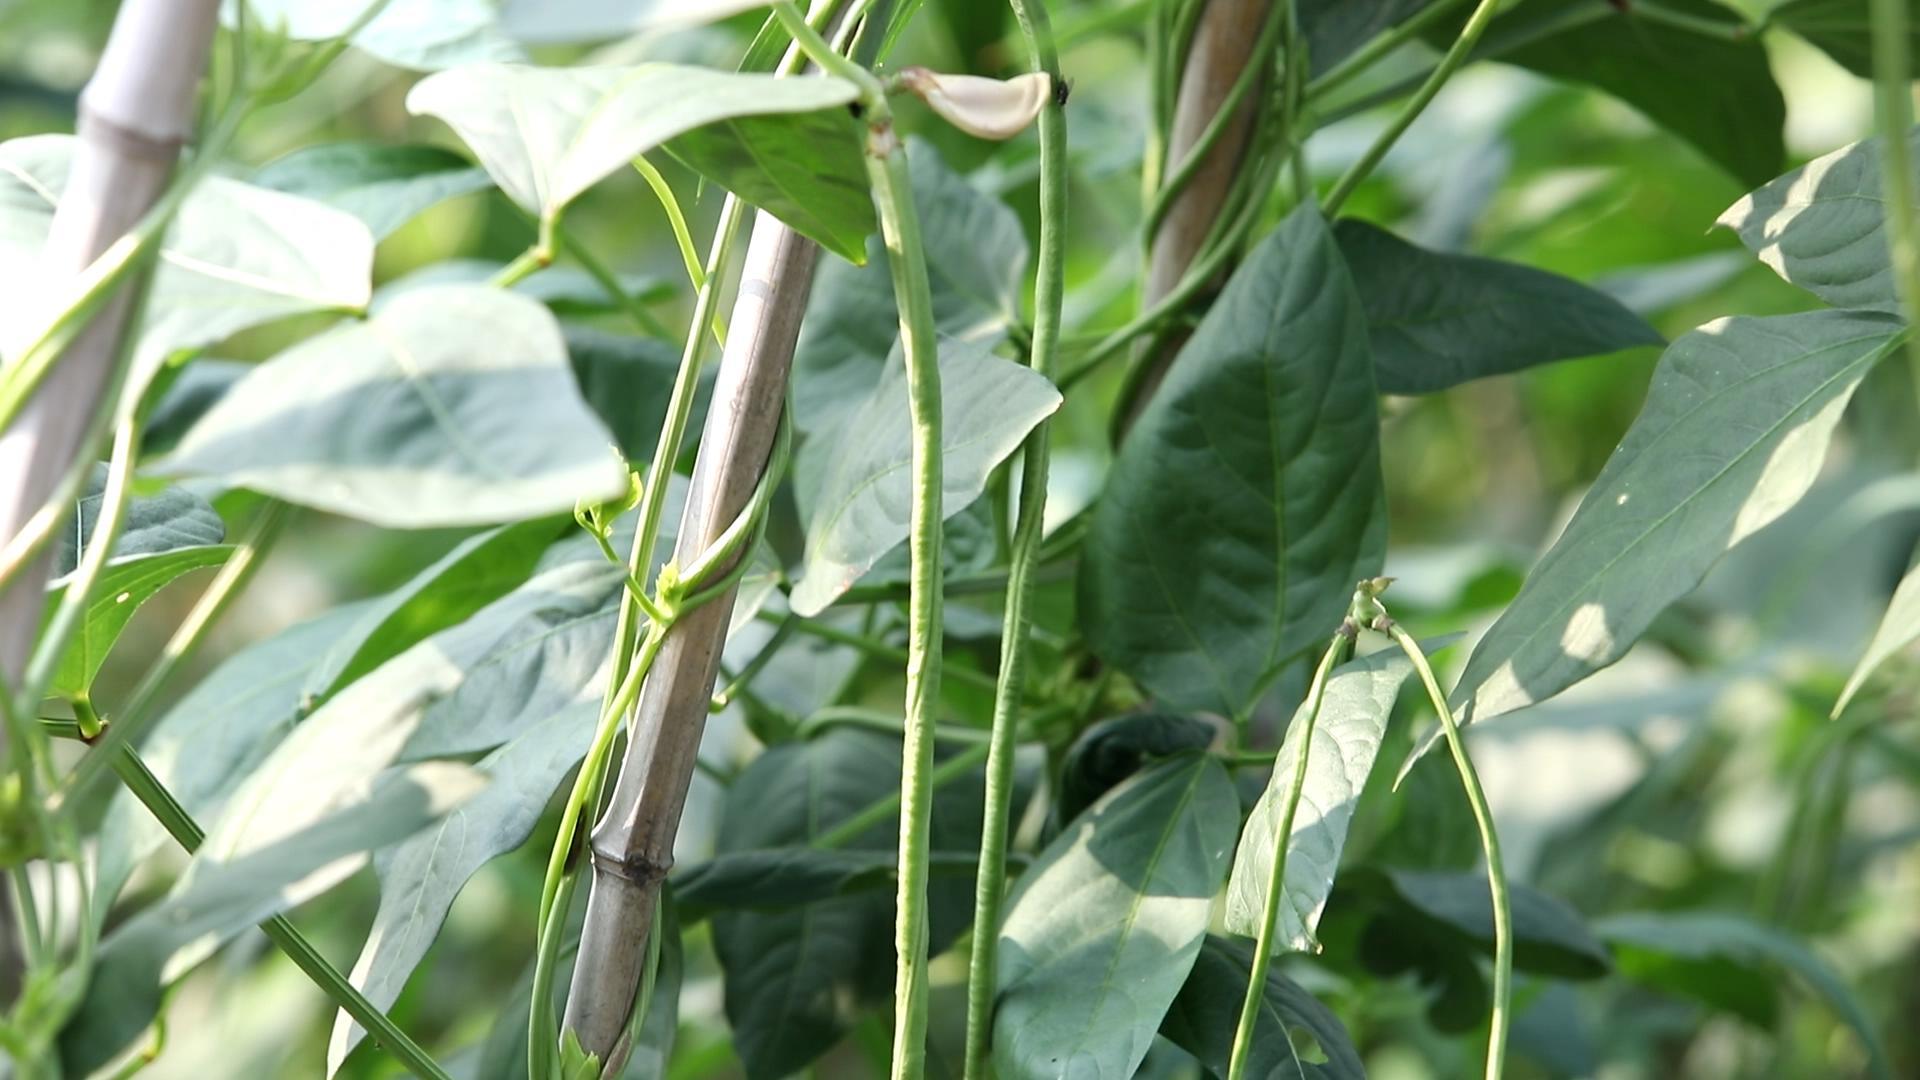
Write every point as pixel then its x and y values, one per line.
pixel 742 681
pixel 1008 697
pixel 180 824
pixel 1490 846
pixel 834 716
pixel 879 650
pixel 1724 29
pixel 1337 650
pixel 1456 56
pixel 1210 136
pixel 881 810
pixel 1377 49
pixel 821 52
pixel 670 203
pixel 1893 98
pixel 523 266
pixel 610 283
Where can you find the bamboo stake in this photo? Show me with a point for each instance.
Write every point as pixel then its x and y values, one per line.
pixel 135 115
pixel 1223 45
pixel 632 846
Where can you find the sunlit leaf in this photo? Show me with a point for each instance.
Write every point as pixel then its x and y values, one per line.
pixel 155 523
pixel 384 186
pixel 1899 628
pixel 119 593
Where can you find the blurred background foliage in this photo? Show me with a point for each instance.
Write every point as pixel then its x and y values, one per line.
pixel 1700 773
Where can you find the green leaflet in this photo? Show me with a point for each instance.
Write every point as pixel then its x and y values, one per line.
pixel 1734 430
pixel 166 520
pixel 384 186
pixel 1725 960
pixel 1102 930
pixel 854 487
pixel 1898 628
pixel 1436 320
pixel 1822 228
pixel 1353 717
pixel 120 591
pixel 1246 500
pixel 546 135
pixel 237 255
pixel 451 405
pixel 1204 1017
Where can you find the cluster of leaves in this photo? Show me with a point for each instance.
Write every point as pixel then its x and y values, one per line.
pixel 426 730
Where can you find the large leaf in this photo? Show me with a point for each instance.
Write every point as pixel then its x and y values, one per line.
pixel 227 889
pixel 546 135
pixel 1206 1015
pixel 1247 500
pixel 420 878
pixel 1102 930
pixel 857 510
pixel 1114 749
pixel 628 381
pixel 1336 28
pixel 1822 227
pixel 796 976
pixel 452 405
pixel 978 262
pixel 163 521
pixel 121 590
pixel 1734 430
pixel 1549 937
pixel 384 186
pixel 1843 29
pixel 236 256
pixel 1726 960
pixel 1437 320
pixel 1715 93
pixel 1346 738
pixel 1899 628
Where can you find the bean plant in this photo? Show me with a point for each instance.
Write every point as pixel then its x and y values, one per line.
pixel 940 618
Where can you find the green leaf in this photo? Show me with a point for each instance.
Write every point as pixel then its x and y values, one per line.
pixel 421 876
pixel 1549 938
pixel 856 510
pixel 384 186
pixel 452 405
pixel 121 590
pixel 1899 628
pixel 567 291
pixel 1102 930
pixel 1717 94
pixel 804 169
pixel 546 135
pixel 1246 500
pixel 236 256
pixel 976 271
pixel 164 521
pixel 1734 429
pixel 1336 28
pixel 796 976
pixel 228 888
pixel 1436 320
pixel 1823 227
pixel 1346 738
pixel 628 381
pixel 1114 749
pixel 423 35
pixel 1206 1014
pixel 1843 29
pixel 789 877
pixel 1727 961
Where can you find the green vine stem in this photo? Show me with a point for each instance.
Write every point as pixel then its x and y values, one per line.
pixel 1893 94
pixel 1455 56
pixel 878 811
pixel 682 238
pixel 1382 44
pixel 1337 650
pixel 1029 532
pixel 1489 843
pixel 185 831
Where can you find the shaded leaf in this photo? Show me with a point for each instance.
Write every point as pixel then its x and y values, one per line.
pixel 1679 951
pixel 1206 1014
pixel 567 291
pixel 1336 28
pixel 1353 717
pixel 1899 628
pixel 237 255
pixel 1549 938
pixel 166 520
pixel 452 405
pixel 1823 227
pixel 788 877
pixel 1436 320
pixel 857 510
pixel 1734 429
pixel 1246 500
pixel 546 135
pixel 628 381
pixel 1114 749
pixel 384 186
pixel 120 591
pixel 1843 29
pixel 1102 930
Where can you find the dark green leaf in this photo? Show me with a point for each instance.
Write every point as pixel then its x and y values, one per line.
pixel 857 508
pixel 452 405
pixel 1103 929
pixel 121 590
pixel 1437 320
pixel 1734 430
pixel 1823 227
pixel 1112 750
pixel 1843 29
pixel 628 380
pixel 1727 961
pixel 384 186
pixel 1899 628
pixel 1549 937
pixel 789 877
pixel 163 521
pixel 1246 501
pixel 1336 28
pixel 1295 1037
pixel 805 169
